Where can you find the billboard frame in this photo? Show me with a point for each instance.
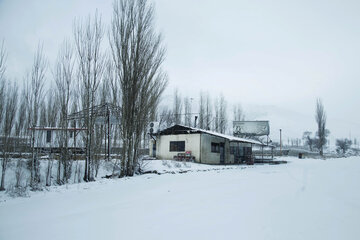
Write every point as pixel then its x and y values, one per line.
pixel 248 125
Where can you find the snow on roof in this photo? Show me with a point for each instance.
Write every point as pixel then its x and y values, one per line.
pixel 229 137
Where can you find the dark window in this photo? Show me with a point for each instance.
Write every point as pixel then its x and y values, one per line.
pixel 177 146
pixel 215 147
pixel 232 149
pixel 48 136
pixel 71 134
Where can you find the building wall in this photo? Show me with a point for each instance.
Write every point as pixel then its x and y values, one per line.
pixel 199 145
pixel 41 137
pixel 192 143
pixel 209 157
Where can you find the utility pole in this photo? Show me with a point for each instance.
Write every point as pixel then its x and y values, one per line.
pixel 191 100
pixel 280 143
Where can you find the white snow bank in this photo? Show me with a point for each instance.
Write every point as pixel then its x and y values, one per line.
pixel 171 166
pixel 305 199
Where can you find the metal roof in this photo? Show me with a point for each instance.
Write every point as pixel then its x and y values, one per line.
pixel 181 129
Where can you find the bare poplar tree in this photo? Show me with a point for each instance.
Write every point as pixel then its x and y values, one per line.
pixel 112 82
pixel 187 111
pixel 238 113
pixel 88 37
pixel 35 97
pixel 320 117
pixel 8 126
pixel 49 119
pixel 114 95
pixel 216 121
pixel 138 55
pixel 222 114
pixel 20 124
pixel 177 109
pixel 64 78
pixel 208 112
pixel 165 117
pixel 2 80
pixel 201 123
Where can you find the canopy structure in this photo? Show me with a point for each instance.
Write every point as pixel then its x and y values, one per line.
pixel 104 114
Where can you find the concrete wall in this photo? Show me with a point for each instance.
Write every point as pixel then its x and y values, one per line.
pixel 40 139
pixel 199 145
pixel 192 143
pixel 209 157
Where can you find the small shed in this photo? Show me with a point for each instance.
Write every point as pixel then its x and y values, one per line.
pixel 204 146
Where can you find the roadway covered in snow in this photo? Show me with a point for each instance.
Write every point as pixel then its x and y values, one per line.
pixel 304 199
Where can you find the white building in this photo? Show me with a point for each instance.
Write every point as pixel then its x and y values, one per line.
pixel 47 139
pixel 205 146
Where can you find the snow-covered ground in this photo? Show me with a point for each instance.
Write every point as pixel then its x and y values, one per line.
pixel 304 199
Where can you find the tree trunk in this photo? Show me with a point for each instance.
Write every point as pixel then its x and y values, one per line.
pixel 58 176
pixel 2 185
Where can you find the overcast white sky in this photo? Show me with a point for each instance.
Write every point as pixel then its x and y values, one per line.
pixel 274 57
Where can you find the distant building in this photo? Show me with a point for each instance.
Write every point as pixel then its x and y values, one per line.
pixel 204 146
pixel 47 139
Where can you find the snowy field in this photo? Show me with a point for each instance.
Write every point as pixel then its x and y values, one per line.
pixel 304 199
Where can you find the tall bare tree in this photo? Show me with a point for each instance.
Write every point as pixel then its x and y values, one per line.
pixel 201 123
pixel 320 117
pixel 165 117
pixel 8 126
pixel 64 78
pixel 208 112
pixel 138 55
pixel 187 111
pixel 177 109
pixel 222 114
pixel 49 117
pixel 238 113
pixel 35 95
pixel 91 61
pixel 2 80
pixel 113 95
pixel 216 119
pixel 20 124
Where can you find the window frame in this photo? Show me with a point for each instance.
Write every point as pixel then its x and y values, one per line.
pixel 177 146
pixel 215 147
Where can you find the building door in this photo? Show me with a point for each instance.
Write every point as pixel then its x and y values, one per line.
pixel 154 149
pixel 222 153
pixel 236 155
pixel 247 154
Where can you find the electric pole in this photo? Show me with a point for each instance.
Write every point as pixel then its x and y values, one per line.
pixel 280 143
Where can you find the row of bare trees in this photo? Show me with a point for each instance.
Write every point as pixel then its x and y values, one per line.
pixel 210 114
pixel 128 74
